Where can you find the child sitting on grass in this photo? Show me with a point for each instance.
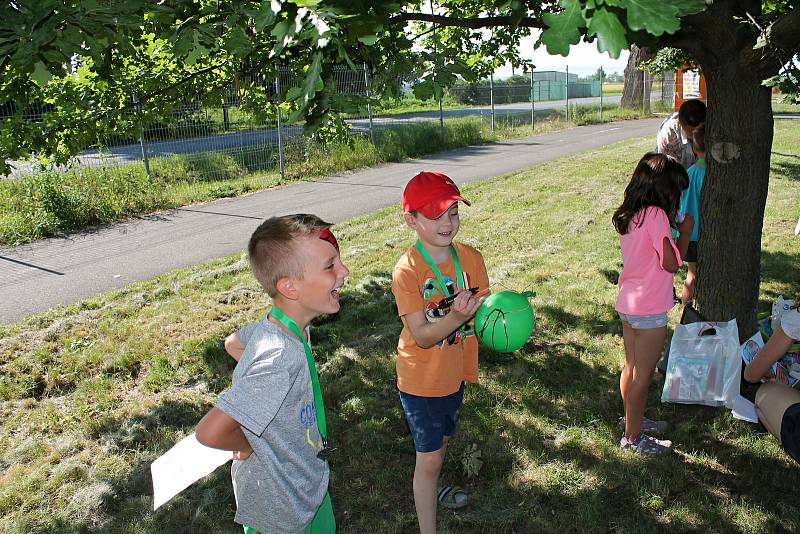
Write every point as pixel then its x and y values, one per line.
pixel 650 258
pixel 778 405
pixel 273 417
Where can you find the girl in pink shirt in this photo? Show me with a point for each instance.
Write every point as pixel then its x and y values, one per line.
pixel 650 257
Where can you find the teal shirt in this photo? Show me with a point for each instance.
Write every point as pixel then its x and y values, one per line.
pixel 690 197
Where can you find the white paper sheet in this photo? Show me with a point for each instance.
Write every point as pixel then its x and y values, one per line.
pixel 744 409
pixel 185 463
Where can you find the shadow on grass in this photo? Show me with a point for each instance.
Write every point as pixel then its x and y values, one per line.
pixel 543 417
pixel 611 275
pixel 591 324
pixel 782 268
pixel 791 170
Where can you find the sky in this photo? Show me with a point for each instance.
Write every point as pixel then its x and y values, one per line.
pixel 583 59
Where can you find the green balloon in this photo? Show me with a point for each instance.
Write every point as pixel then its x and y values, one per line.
pixel 505 320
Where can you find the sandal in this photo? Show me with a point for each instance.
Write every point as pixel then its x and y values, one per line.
pixel 648 426
pixel 452 497
pixel 646 445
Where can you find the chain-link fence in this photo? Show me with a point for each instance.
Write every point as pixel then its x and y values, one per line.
pixel 200 142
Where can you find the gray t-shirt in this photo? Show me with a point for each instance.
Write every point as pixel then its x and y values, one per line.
pixel 281 485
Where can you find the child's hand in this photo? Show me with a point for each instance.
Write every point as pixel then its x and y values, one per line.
pixel 242 455
pixel 686 225
pixel 465 304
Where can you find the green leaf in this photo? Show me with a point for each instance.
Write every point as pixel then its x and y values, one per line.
pixel 237 42
pixel 313 80
pixel 197 51
pixel 688 7
pixel 368 40
pixel 609 31
pixel 265 17
pixel 282 29
pixel 40 74
pixel 294 93
pixel 562 28
pixel 305 3
pixel 654 16
pixel 424 90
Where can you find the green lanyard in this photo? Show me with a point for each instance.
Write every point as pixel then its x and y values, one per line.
pixel 435 269
pixel 319 408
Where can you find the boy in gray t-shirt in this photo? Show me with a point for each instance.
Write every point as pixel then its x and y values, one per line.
pixel 272 417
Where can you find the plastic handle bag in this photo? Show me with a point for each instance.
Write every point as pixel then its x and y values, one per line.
pixel 704 364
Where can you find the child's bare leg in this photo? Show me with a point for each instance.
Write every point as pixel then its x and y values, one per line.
pixel 687 293
pixel 772 400
pixel 426 481
pixel 647 350
pixel 626 377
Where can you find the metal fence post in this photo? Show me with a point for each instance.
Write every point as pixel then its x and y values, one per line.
pixel 145 158
pixel 281 163
pixel 533 105
pixel 369 105
pixel 491 97
pixel 566 95
pixel 441 119
pixel 644 88
pixel 602 75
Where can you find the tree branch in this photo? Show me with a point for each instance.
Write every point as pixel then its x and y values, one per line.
pixel 782 43
pixel 474 23
pixel 784 33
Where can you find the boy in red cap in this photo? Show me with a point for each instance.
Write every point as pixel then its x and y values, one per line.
pixel 435 285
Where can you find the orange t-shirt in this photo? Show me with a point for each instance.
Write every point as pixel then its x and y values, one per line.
pixel 439 370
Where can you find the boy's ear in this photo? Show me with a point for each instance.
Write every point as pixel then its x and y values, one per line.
pixel 411 221
pixel 287 288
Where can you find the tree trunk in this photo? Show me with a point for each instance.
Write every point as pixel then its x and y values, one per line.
pixel 739 129
pixel 634 88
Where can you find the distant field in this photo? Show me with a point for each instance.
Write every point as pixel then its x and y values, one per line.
pixel 612 88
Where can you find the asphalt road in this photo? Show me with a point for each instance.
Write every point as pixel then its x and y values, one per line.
pixel 51 272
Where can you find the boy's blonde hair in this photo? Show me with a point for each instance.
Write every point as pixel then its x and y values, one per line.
pixel 273 249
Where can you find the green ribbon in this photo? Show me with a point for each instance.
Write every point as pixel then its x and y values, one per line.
pixel 319 408
pixel 439 278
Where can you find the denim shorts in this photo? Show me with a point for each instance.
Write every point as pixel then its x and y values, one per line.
pixel 643 322
pixel 790 431
pixel 430 419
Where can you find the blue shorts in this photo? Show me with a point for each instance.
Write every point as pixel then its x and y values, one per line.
pixel 430 419
pixel 643 322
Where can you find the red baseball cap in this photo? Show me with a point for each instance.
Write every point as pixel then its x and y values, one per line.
pixel 431 193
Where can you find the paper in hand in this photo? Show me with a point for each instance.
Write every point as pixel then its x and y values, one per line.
pixel 185 463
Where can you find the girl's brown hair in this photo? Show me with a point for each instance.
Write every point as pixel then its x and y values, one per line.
pixel 657 182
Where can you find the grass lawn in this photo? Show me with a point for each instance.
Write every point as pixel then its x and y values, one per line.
pixel 92 393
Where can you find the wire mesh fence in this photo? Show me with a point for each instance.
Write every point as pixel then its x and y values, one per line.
pixel 202 142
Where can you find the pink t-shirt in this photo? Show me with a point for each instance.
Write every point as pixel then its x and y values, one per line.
pixel 645 288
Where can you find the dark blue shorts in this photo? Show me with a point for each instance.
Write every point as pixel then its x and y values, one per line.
pixel 790 431
pixel 430 419
pixel 691 252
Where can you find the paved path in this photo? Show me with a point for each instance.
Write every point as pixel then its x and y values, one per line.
pixel 40 275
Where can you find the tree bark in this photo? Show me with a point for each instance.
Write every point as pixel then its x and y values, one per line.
pixel 635 86
pixel 739 131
